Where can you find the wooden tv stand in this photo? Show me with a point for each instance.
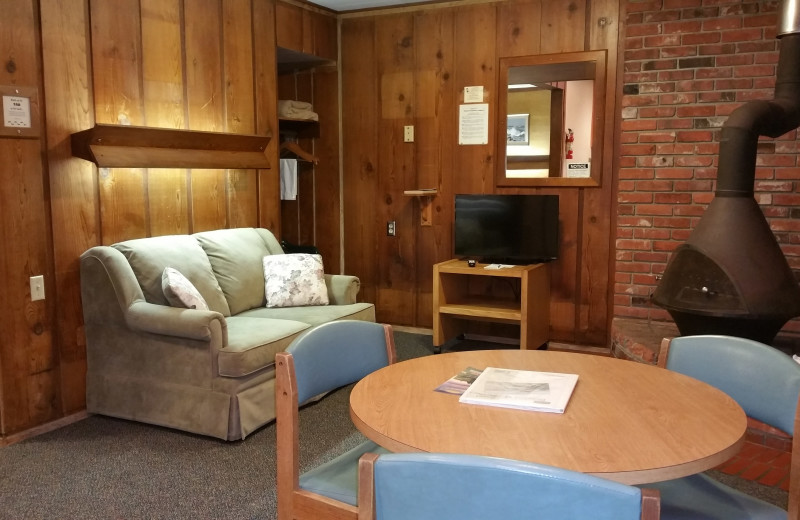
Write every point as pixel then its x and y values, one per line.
pixel 456 298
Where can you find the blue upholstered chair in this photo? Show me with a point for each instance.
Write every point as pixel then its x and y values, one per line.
pixel 323 359
pixel 431 486
pixel 766 384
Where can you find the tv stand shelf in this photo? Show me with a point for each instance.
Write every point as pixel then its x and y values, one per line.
pixel 464 293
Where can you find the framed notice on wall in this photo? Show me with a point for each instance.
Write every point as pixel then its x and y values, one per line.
pixel 20 111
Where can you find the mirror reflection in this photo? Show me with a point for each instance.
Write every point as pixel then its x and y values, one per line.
pixel 552 118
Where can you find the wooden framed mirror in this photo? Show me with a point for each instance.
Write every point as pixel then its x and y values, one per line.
pixel 551 119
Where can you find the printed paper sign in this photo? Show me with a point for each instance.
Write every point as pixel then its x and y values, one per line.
pixel 16 112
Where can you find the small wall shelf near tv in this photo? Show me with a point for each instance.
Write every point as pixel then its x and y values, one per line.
pixel 454 302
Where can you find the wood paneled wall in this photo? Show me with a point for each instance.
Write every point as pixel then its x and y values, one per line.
pixel 187 64
pixel 409 67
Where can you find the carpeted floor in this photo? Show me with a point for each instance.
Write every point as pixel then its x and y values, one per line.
pixel 108 468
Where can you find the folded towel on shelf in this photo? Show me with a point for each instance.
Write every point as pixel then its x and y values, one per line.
pixel 288 179
pixel 292 109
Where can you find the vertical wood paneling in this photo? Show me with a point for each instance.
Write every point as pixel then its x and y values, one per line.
pixel 206 106
pixel 359 109
pixel 162 71
pixel 463 50
pixel 563 26
pixel 116 56
pixel 519 27
pixel 73 182
pixel 394 42
pixel 304 91
pixel 239 102
pixel 435 124
pixel 327 189
pixel 29 381
pixel 266 111
pixel 475 65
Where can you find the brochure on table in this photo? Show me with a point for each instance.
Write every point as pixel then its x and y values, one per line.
pixel 521 389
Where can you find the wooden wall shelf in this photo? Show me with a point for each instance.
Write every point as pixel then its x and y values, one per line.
pixel 302 128
pixel 114 146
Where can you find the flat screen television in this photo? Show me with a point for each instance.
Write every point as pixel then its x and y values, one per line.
pixel 506 229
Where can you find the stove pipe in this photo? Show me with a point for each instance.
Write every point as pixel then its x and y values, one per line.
pixel 730 277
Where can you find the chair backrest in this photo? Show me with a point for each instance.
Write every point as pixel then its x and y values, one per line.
pixel 430 486
pixel 322 359
pixel 763 380
pixel 338 353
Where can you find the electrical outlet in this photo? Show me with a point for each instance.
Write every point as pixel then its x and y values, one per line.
pixel 408 134
pixel 37 288
pixel 391 228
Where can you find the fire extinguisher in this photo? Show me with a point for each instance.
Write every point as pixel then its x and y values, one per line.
pixel 570 139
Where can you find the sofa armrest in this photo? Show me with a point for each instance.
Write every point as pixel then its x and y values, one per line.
pixel 171 321
pixel 342 288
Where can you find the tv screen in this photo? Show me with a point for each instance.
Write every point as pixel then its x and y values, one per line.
pixel 507 229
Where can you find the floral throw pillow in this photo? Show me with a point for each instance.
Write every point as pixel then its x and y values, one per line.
pixel 294 280
pixel 180 292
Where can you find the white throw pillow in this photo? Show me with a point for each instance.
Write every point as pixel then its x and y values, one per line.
pixel 294 280
pixel 180 292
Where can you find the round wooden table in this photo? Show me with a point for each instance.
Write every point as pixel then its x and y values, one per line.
pixel 626 421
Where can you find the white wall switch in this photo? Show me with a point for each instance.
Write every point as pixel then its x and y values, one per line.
pixel 37 288
pixel 408 134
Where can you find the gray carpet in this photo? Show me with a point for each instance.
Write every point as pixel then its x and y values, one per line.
pixel 108 468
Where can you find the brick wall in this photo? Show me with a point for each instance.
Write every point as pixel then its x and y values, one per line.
pixel 688 65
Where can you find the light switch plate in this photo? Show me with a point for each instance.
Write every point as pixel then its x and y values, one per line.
pixel 37 288
pixel 408 134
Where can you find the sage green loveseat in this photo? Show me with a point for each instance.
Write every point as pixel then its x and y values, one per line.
pixel 209 372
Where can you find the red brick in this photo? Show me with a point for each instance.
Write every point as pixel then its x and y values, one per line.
pixel 695 111
pixel 657 112
pixel 701 38
pixel 637 173
pixel 672 222
pixel 716 49
pixel 651 233
pixel 641 30
pixel 719 24
pixel 676 4
pixel 665 246
pixel 652 5
pixel 678 99
pixel 683 86
pixel 764 20
pixel 693 185
pixel 662 40
pixel 695 135
pixel 672 198
pixel 677 52
pixel 654 161
pixel 743 35
pixel 638 125
pixel 654 209
pixel 680 235
pixel 650 257
pixel 675 75
pixel 637 101
pixel 657 137
pixel 682 27
pixel 674 173
pixel 631 267
pixel 765 46
pixel 640 77
pixel 642 54
pixel 733 84
pixel 714 73
pixel 635 197
pixel 774 476
pixel 754 70
pixel 675 124
pixel 656 88
pixel 754 471
pixel 654 185
pixel 738 60
pixel 695 160
pixel 634 221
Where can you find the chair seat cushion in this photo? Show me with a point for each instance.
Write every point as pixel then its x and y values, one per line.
pixel 700 497
pixel 315 315
pixel 338 479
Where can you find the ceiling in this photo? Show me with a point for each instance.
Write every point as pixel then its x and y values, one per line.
pixel 351 5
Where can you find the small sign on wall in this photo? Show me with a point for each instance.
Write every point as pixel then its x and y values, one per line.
pixel 20 111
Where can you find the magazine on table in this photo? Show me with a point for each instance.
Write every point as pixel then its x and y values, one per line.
pixel 460 382
pixel 521 389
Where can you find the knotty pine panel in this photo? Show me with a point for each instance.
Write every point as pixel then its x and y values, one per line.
pixel 29 383
pixel 435 116
pixel 519 28
pixel 360 160
pixel 162 78
pixel 116 59
pixel 237 41
pixel 563 26
pixel 396 254
pixel 266 112
pixel 327 186
pixel 73 199
pixel 476 64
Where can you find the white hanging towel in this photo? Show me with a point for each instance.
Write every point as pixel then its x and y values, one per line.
pixel 288 179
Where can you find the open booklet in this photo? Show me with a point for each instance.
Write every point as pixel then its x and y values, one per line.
pixel 521 389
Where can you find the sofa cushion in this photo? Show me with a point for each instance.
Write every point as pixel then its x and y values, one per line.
pixel 148 257
pixel 253 343
pixel 235 256
pixel 316 315
pixel 180 292
pixel 294 280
